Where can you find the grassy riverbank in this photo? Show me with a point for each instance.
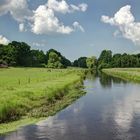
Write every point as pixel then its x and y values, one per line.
pixel 129 74
pixel 28 94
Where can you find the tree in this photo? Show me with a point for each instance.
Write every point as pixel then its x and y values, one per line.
pixel 116 60
pixel 75 63
pixel 81 62
pixel 105 59
pixel 38 58
pixel 22 53
pixel 63 60
pixel 125 61
pixel 7 54
pixel 91 62
pixel 54 61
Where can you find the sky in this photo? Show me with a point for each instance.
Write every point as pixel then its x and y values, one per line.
pixel 74 27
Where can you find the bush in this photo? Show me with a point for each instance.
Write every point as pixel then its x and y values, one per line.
pixel 104 65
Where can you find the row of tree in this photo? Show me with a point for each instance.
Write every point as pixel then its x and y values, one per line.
pixel 86 62
pixel 108 60
pixel 21 54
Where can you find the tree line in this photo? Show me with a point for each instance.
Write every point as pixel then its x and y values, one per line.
pixel 108 60
pixel 21 54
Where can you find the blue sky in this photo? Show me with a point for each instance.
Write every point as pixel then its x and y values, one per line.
pixel 84 29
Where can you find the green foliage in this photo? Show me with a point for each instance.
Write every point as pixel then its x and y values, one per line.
pixel 106 60
pixel 104 65
pixel 2 62
pixel 8 54
pixel 20 54
pixel 116 60
pixel 37 58
pixel 91 62
pixel 81 62
pixel 54 61
pixel 65 62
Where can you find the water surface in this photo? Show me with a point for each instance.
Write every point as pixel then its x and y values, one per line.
pixel 109 111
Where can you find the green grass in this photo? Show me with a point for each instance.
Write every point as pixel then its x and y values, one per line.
pixel 129 74
pixel 27 93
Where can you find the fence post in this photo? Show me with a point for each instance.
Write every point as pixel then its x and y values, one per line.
pixel 19 81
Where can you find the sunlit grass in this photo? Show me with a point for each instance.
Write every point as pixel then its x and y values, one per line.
pixel 131 74
pixel 24 89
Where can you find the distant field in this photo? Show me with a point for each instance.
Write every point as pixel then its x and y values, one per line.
pixel 131 74
pixel 24 90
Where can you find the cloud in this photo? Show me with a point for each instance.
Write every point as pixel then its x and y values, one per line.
pixel 18 9
pixel 59 6
pixel 21 27
pixel 41 43
pixel 4 40
pixel 45 22
pixel 83 7
pixel 122 17
pixel 38 44
pixel 78 26
pixel 63 7
pixel 125 21
pixel 116 33
pixel 42 20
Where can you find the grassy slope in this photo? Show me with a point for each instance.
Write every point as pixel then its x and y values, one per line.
pixel 131 74
pixel 26 92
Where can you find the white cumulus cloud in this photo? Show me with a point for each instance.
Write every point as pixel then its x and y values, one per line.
pixel 83 7
pixel 125 21
pixel 42 20
pixel 4 40
pixel 63 7
pixel 45 22
pixel 18 9
pixel 59 6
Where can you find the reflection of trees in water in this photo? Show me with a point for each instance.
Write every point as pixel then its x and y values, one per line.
pixel 91 75
pixel 107 81
pixel 118 80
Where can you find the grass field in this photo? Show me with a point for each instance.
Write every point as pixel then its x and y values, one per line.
pixel 36 92
pixel 129 74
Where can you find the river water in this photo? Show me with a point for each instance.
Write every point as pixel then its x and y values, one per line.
pixel 109 111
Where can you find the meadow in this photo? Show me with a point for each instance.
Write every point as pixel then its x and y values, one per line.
pixel 129 74
pixel 36 92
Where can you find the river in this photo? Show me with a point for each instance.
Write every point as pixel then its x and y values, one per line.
pixel 110 110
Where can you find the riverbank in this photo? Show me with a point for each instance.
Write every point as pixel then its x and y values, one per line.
pixel 129 74
pixel 30 94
